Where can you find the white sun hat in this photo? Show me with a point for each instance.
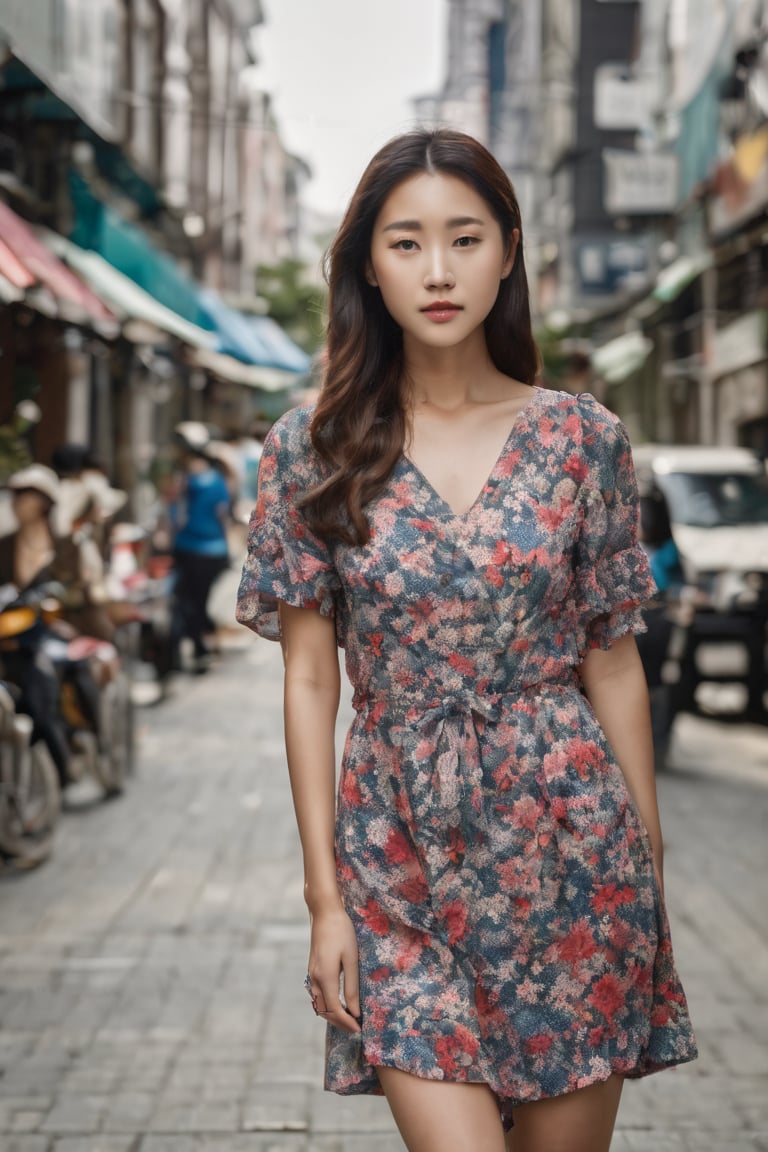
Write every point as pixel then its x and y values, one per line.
pixel 37 477
pixel 194 434
pixel 107 500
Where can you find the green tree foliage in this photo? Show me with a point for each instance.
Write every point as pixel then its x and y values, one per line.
pixel 297 305
pixel 15 450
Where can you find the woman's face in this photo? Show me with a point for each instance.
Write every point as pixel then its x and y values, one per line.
pixel 29 506
pixel 438 258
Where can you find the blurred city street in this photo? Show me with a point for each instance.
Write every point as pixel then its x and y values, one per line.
pixel 176 275
pixel 151 992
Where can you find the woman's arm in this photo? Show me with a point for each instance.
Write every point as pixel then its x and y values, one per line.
pixel 615 686
pixel 312 687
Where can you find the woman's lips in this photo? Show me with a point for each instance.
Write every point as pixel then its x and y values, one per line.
pixel 441 311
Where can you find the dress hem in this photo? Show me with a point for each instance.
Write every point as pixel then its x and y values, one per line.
pixel 637 1072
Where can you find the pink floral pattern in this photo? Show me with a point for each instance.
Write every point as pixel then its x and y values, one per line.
pixel 499 877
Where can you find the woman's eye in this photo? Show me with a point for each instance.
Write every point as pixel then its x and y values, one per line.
pixel 466 241
pixel 406 245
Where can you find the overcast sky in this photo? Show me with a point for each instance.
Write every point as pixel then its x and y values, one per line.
pixel 341 73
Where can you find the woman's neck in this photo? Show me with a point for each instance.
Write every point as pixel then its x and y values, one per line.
pixel 36 533
pixel 33 551
pixel 450 378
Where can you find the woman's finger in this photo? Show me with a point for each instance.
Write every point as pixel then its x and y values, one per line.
pixel 351 986
pixel 331 1008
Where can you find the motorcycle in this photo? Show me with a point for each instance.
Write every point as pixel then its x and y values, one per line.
pixel 30 799
pixel 94 697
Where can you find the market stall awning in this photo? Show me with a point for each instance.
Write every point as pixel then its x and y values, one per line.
pixel 127 299
pixel 255 340
pixel 74 300
pixel 619 358
pixel 279 349
pixel 9 293
pixel 676 277
pixel 250 375
pixel 12 269
pixel 128 249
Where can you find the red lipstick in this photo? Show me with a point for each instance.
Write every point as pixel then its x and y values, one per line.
pixel 439 311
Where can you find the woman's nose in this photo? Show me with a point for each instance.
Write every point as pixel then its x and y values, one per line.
pixel 438 274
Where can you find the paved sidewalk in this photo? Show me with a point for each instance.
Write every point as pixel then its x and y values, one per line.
pixel 150 974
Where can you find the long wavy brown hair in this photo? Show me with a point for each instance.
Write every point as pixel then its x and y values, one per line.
pixel 359 424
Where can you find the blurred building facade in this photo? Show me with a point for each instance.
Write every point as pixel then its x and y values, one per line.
pixel 137 151
pixel 636 133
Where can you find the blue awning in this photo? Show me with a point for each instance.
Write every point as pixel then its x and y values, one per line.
pixel 253 339
pixel 127 248
pixel 280 350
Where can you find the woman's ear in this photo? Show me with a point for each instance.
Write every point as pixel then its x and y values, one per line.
pixel 370 275
pixel 509 261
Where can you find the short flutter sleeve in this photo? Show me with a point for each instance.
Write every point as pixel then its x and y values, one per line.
pixel 286 561
pixel 613 576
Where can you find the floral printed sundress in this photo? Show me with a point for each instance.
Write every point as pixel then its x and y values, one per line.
pixel 499 878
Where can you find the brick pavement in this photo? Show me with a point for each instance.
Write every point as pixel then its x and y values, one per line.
pixel 150 975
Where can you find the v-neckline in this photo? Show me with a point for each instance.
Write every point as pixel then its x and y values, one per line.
pixel 518 420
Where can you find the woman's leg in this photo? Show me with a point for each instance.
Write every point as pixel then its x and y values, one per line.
pixel 441 1116
pixel 580 1121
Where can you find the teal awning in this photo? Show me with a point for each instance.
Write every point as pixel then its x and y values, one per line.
pixel 40 97
pixel 126 299
pixel 127 248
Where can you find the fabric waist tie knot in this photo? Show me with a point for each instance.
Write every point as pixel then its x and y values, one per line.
pixel 441 767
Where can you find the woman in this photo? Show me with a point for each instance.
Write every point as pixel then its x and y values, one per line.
pixel 493 906
pixel 27 559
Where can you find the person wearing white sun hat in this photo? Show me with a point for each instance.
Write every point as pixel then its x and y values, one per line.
pixel 26 559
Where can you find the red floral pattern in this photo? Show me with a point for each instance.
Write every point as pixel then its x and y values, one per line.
pixel 500 880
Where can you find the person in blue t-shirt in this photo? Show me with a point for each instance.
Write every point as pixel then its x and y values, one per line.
pixel 200 550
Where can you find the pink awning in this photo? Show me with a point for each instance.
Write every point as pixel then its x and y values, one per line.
pixel 13 269
pixel 18 241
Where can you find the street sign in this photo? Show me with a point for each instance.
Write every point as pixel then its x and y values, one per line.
pixel 639 183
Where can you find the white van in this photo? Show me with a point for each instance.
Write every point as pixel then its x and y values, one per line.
pixel 718 504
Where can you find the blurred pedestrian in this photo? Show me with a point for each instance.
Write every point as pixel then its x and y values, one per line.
pixel 27 556
pixel 657 540
pixel 84 510
pixel 53 545
pixel 489 935
pixel 77 466
pixel 201 553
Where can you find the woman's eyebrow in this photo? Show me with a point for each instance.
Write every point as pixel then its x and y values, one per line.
pixel 403 225
pixel 415 225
